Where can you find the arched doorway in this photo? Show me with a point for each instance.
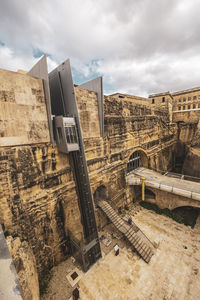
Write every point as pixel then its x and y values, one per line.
pixel 136 160
pixel 189 214
pixel 149 195
pixel 99 194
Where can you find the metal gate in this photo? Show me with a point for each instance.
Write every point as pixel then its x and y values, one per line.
pixel 134 162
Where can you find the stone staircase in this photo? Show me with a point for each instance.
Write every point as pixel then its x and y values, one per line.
pixel 134 235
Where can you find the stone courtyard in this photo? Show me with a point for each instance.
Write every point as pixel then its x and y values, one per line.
pixel 173 272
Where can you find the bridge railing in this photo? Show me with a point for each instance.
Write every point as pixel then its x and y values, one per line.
pixel 176 175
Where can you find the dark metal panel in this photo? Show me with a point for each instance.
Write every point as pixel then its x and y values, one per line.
pixel 65 93
pixel 40 70
pixel 96 85
pixel 57 100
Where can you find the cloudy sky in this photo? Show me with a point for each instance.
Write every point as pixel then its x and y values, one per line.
pixel 139 46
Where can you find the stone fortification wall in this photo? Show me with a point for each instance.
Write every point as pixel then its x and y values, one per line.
pixel 38 200
pixel 130 98
pixel 129 126
pixel 189 116
pixel 23 116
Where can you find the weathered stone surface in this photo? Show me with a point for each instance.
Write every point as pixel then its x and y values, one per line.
pixel 39 201
pixel 23 116
pixel 38 191
pixel 25 264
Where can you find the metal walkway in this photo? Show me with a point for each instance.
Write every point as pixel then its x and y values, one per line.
pixel 134 235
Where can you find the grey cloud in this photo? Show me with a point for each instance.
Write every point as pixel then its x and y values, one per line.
pixel 143 46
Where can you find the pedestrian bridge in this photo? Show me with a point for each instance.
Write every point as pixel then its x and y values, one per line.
pixel 169 192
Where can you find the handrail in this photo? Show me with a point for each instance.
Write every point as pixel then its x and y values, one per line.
pixel 182 176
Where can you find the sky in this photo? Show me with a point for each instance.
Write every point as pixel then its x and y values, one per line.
pixel 140 47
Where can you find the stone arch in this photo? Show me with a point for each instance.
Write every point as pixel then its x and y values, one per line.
pixel 138 158
pixel 150 196
pixel 189 213
pixel 99 194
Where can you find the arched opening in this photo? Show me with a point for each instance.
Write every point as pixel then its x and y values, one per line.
pixel 149 195
pixel 99 194
pixel 136 160
pixel 188 214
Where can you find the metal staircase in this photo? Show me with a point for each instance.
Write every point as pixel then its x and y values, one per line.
pixel 133 234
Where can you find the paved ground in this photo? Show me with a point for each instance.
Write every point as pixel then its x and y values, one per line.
pixel 169 181
pixel 172 274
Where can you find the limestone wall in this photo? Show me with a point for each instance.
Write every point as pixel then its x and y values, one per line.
pixel 38 200
pixel 23 116
pixel 130 98
pixel 169 200
pixel 189 116
pixel 129 126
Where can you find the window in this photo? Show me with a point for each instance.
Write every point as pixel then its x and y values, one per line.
pixel 70 133
pixel 153 101
pixel 179 108
pixel 163 99
pixel 179 99
pixel 194 105
pixel 188 106
pixel 184 99
pixel 199 96
pixel 194 97
pixel 199 105
pixel 183 107
pixel 189 98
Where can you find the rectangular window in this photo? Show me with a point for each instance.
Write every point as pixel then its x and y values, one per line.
pixel 189 98
pixel 163 99
pixel 199 105
pixel 199 96
pixel 194 97
pixel 153 101
pixel 183 107
pixel 179 99
pixel 194 105
pixel 179 108
pixel 184 99
pixel 71 135
pixel 188 106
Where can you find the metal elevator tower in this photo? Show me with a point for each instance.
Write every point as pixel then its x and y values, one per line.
pixel 63 105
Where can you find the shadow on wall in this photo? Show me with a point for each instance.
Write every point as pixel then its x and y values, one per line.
pixel 149 195
pixel 99 194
